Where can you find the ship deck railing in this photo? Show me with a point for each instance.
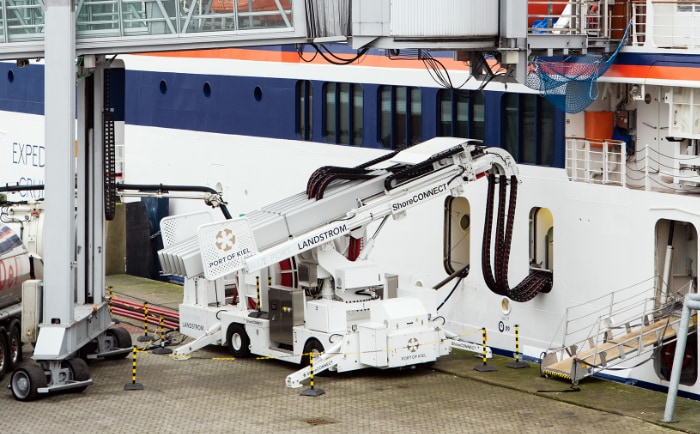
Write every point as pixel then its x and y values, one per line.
pixel 666 24
pixel 596 161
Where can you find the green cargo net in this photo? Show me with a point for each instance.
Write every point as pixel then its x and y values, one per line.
pixel 570 82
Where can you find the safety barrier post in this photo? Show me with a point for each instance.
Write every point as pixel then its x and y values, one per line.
pixel 484 367
pixel 146 337
pixel 257 289
pixel 518 363
pixel 133 385
pixel 109 288
pixel 311 391
pixel 258 310
pixel 162 349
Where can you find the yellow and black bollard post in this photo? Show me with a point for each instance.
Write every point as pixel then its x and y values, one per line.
pixel 162 349
pixel 518 363
pixel 109 288
pixel 257 296
pixel 311 391
pixel 146 337
pixel 258 310
pixel 133 385
pixel 484 367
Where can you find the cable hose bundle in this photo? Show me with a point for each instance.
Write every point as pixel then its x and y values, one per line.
pixel 323 176
pixel 497 279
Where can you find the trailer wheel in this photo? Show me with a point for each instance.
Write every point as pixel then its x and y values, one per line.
pixel 4 353
pixel 312 347
pixel 238 340
pixel 120 339
pixel 15 344
pixel 79 372
pixel 26 382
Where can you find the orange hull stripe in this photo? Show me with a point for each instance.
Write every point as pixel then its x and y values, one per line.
pixel 293 57
pixel 654 72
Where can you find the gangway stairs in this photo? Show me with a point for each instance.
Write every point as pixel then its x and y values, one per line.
pixel 600 337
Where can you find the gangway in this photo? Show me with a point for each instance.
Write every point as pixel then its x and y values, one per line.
pixel 127 26
pixel 107 27
pixel 604 333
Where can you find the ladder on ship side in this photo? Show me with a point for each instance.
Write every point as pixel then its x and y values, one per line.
pixel 600 336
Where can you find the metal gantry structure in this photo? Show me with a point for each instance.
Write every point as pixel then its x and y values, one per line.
pixel 75 311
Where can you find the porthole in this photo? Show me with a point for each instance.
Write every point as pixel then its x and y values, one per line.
pixel 10 76
pixel 206 89
pixel 505 306
pixel 257 93
pixel 163 87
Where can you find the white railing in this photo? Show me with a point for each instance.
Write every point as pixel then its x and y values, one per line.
pixel 658 23
pixel 597 18
pixel 622 317
pixel 596 161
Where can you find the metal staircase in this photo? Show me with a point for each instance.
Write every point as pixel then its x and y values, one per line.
pixel 606 332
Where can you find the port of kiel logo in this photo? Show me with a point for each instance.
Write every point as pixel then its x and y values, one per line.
pixel 225 240
pixel 413 345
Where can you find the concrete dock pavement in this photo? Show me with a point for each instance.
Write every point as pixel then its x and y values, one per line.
pixel 213 393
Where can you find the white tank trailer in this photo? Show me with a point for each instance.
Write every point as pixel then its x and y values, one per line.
pixel 15 268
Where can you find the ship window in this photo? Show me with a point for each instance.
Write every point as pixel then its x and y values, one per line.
pixel 541 239
pixel 528 128
pixel 688 6
pixel 304 109
pixel 342 113
pixel 461 114
pixel 456 234
pixel 400 114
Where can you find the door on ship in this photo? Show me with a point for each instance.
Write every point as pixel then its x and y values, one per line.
pixel 676 254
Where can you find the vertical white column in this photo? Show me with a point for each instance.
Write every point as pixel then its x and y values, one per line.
pixel 96 225
pixel 80 220
pixel 59 112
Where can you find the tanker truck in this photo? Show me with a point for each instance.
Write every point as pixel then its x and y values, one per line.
pixel 15 268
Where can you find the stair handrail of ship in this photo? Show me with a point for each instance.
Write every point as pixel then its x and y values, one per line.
pixel 594 323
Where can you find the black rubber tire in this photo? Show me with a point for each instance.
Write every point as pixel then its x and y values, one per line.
pixel 4 353
pixel 311 346
pixel 88 349
pixel 79 372
pixel 14 340
pixel 238 340
pixel 122 339
pixel 26 381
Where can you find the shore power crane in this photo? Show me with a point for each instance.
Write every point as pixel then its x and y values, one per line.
pixel 294 280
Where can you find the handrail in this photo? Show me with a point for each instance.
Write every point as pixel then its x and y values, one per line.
pixel 596 161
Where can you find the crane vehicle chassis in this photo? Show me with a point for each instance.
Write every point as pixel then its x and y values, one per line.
pixel 302 281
